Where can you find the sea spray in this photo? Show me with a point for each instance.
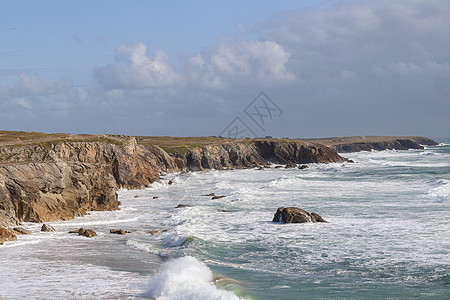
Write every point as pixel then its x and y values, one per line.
pixel 186 278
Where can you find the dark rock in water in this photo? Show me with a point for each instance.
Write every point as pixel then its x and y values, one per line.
pixel 183 205
pixel 155 197
pixel 291 166
pixel 351 161
pixel 156 232
pixel 170 182
pixel 6 235
pixel 20 230
pixel 136 196
pixel 225 210
pixel 86 232
pixel 210 195
pixel 303 167
pixel 217 197
pixel 118 231
pixel 318 218
pixel 73 231
pixel 278 167
pixel 295 215
pixel 47 228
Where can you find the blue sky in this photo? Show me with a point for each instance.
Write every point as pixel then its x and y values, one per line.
pixel 189 68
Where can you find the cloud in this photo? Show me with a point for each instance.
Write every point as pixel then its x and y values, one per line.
pixel 35 86
pixel 241 62
pixel 135 70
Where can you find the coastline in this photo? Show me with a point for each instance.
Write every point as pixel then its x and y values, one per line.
pixel 50 177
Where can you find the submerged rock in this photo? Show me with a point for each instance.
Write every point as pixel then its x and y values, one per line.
pixel 295 215
pixel 217 197
pixel 47 228
pixel 291 165
pixel 118 231
pixel 86 232
pixel 210 195
pixel 183 205
pixel 6 235
pixel 20 230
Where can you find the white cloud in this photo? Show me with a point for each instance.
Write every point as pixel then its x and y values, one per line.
pixel 235 62
pixel 136 70
pixel 23 103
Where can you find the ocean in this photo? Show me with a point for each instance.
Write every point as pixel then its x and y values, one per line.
pixel 387 236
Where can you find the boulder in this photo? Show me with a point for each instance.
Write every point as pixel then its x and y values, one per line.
pixel 303 167
pixel 183 205
pixel 6 235
pixel 217 197
pixel 295 215
pixel 155 197
pixel 210 195
pixel 291 165
pixel 47 228
pixel 86 232
pixel 118 231
pixel 20 230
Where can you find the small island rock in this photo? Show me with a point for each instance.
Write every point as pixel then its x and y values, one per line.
pixel 47 228
pixel 295 215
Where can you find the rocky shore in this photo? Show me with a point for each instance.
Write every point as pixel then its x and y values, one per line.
pixel 60 177
pixel 368 143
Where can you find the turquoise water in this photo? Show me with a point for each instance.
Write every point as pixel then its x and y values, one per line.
pixel 388 236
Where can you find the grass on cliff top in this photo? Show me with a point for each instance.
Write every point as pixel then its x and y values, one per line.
pixel 7 136
pixel 20 138
pixel 181 144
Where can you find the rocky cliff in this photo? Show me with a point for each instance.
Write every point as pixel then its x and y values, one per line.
pixel 60 179
pixel 368 143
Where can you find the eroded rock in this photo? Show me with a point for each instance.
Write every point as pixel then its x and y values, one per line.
pixel 6 235
pixel 47 228
pixel 20 230
pixel 86 232
pixel 295 215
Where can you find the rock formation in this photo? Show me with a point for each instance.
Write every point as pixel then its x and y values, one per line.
pixel 6 235
pixel 368 143
pixel 295 215
pixel 63 179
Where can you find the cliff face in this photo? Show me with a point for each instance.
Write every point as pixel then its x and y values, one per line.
pixel 252 154
pixel 61 180
pixel 395 144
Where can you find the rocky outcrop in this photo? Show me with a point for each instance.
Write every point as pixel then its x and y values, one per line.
pixel 84 232
pixel 47 228
pixel 389 144
pixel 252 154
pixel 295 215
pixel 6 235
pixel 60 180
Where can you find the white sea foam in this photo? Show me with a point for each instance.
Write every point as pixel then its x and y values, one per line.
pixel 144 247
pixel 441 191
pixel 186 278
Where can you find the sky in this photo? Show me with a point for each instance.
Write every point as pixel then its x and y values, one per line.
pixel 249 68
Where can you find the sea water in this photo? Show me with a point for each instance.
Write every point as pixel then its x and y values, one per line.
pixel 387 236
